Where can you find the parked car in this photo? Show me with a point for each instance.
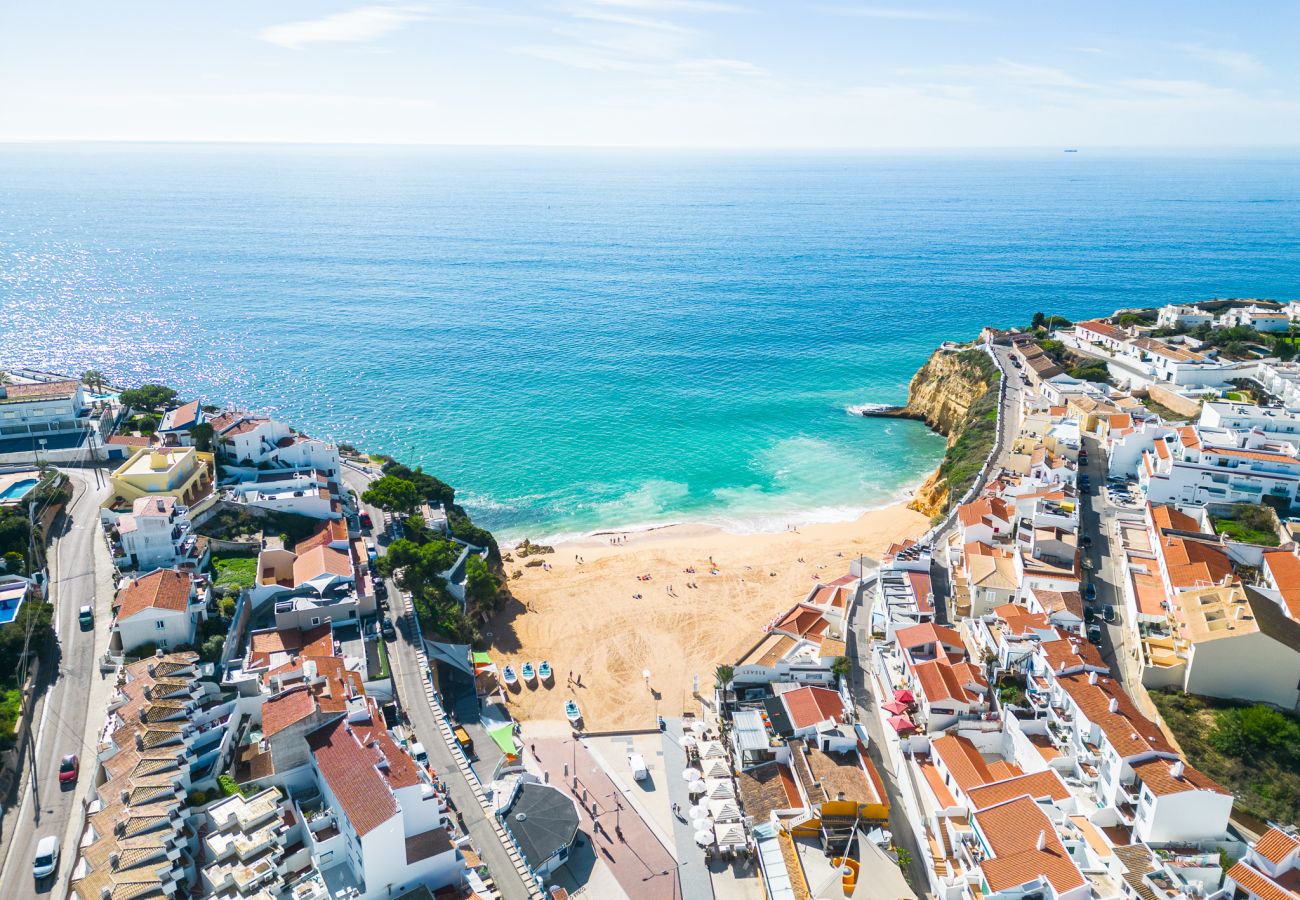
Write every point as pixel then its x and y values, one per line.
pixel 86 616
pixel 366 522
pixel 1090 592
pixel 636 762
pixel 1094 633
pixel 1085 541
pixel 1110 614
pixel 68 769
pixel 387 629
pixel 381 589
pixel 47 857
pixel 1089 615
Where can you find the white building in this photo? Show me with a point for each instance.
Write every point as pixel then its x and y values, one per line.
pixel 162 608
pixel 1269 871
pixel 1271 422
pixel 1176 316
pixel 1203 466
pixel 1264 319
pixel 249 441
pixel 156 534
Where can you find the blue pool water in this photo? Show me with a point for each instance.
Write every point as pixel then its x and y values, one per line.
pixel 579 338
pixel 18 489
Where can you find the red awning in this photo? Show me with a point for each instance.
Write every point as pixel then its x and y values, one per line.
pixel 894 707
pixel 903 695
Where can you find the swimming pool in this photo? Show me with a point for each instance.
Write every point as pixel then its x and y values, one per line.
pixel 18 489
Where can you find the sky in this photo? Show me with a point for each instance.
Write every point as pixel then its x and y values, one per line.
pixel 655 73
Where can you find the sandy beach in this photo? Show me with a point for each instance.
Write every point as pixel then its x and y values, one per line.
pixel 586 619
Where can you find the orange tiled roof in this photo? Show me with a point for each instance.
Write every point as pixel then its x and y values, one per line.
pixel 1284 568
pixel 1036 785
pixel 321 561
pixel 286 708
pixel 1259 884
pixel 810 705
pixel 963 762
pixel 1128 731
pixel 941 681
pixel 1013 831
pixel 162 589
pixel 350 768
pixel 927 633
pixel 331 531
pixel 1158 775
pixel 1256 455
pixel 1193 563
pixel 1275 845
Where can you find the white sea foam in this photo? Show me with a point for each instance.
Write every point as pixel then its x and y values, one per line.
pixel 859 409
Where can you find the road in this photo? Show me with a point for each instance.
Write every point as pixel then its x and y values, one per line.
pixel 79 569
pixel 408 680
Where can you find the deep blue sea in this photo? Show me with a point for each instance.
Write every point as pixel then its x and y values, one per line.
pixel 578 339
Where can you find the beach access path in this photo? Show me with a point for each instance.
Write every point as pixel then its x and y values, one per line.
pixel 409 682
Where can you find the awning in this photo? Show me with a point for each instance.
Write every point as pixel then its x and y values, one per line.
pixel 903 695
pixel 720 789
pixel 893 706
pixel 712 750
pixel 729 834
pixel 717 768
pixel 504 737
pixel 481 659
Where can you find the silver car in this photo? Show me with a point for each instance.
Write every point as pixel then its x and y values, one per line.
pixel 47 857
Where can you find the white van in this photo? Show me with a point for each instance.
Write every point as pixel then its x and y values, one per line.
pixel 636 762
pixel 47 857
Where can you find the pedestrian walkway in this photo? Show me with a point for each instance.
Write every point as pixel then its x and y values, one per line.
pixel 623 840
pixel 696 882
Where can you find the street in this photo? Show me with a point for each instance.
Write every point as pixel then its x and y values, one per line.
pixel 80 572
pixel 408 680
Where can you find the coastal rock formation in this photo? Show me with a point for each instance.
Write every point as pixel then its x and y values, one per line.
pixel 954 393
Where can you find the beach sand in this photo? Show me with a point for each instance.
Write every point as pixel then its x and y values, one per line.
pixel 584 619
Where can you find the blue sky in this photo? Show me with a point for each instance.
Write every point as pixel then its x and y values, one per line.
pixel 690 73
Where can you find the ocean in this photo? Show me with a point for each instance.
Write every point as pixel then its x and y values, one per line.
pixel 586 339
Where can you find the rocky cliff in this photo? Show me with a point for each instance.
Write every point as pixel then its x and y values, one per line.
pixel 955 393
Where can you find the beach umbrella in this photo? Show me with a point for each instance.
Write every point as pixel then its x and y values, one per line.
pixel 699 813
pixel 697 786
pixel 688 741
pixel 698 727
pixel 721 789
pixel 894 707
pixel 690 773
pixel 716 768
pixel 712 750
pixel 901 724
pixel 704 837
pixel 903 695
pixel 724 810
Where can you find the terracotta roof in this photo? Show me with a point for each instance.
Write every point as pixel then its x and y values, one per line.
pixel 1259 884
pixel 1188 437
pixel 1037 785
pixel 286 708
pixel 922 591
pixel 351 772
pixel 1158 775
pixel 810 705
pixel 153 506
pixel 318 641
pixel 321 561
pixel 1169 518
pixel 1284 568
pixel 163 589
pixel 1128 731
pixel 433 842
pixel 941 681
pixel 995 572
pixel 1013 831
pixel 332 531
pixel 1120 421
pixel 963 762
pixel 799 620
pixel 1194 563
pixel 928 633
pixel 1275 845
pixel 130 440
pixel 1258 455
pixel 1070 652
pixel 181 417
pixel 42 390
pixel 982 511
pixel 1053 602
pixel 1021 621
pixel 1103 328
pixel 767 788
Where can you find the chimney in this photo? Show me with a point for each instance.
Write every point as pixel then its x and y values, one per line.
pixel 1092 679
pixel 113 860
pixel 1113 706
pixel 1176 770
pixel 1042 840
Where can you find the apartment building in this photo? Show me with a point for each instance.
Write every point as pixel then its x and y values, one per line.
pixel 156 534
pixel 162 608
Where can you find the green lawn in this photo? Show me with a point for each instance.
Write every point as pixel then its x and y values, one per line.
pixel 235 571
pixel 1252 751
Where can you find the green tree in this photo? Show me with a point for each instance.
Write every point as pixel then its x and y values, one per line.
pixel 840 668
pixel 430 488
pixel 33 616
pixel 392 494
pixel 1254 731
pixel 1039 321
pixel 481 585
pixel 722 676
pixel 93 379
pixel 418 566
pixel 202 436
pixel 155 397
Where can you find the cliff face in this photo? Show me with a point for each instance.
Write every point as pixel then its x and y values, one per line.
pixel 950 393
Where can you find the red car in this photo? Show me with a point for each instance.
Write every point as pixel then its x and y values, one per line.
pixel 365 520
pixel 68 769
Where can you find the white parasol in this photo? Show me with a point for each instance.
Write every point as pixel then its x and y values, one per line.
pixel 690 773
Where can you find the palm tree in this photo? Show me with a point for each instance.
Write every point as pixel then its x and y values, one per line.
pixel 93 379
pixel 723 673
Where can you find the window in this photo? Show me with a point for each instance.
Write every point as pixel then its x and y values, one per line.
pixel 315 620
pixel 160 625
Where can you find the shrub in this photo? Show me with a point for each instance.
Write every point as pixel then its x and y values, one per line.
pixel 229 787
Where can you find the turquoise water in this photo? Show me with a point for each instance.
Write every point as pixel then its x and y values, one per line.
pixel 583 339
pixel 18 489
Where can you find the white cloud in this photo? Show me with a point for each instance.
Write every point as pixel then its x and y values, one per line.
pixel 701 6
pixel 1234 60
pixel 356 26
